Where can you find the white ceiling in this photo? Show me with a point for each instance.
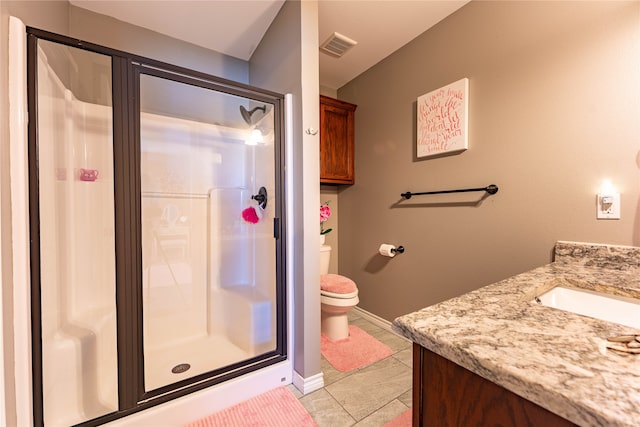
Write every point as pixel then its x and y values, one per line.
pixel 236 27
pixel 379 26
pixel 231 27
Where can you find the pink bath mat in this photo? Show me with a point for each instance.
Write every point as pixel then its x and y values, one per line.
pixel 359 349
pixel 275 408
pixel 402 420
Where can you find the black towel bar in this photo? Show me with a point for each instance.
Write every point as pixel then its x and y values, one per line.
pixel 491 189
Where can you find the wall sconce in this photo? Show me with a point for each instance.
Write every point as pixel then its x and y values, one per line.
pixel 608 202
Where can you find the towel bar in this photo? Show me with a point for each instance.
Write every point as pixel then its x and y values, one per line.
pixel 491 189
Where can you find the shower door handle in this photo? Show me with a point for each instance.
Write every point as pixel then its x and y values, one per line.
pixel 276 228
pixel 261 197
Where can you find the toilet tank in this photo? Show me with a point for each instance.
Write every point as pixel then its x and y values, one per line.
pixel 325 255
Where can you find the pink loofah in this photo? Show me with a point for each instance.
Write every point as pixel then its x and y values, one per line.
pixel 250 215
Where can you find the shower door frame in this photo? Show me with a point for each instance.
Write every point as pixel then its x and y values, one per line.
pixel 126 69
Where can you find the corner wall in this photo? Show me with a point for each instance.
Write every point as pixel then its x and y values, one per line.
pixel 286 61
pixel 554 108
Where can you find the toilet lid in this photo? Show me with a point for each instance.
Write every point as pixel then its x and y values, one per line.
pixel 338 285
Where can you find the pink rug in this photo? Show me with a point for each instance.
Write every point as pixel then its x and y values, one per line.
pixel 359 349
pixel 278 407
pixel 402 420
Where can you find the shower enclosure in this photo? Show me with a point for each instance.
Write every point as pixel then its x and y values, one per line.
pixel 156 212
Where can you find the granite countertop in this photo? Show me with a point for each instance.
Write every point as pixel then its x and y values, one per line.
pixel 551 357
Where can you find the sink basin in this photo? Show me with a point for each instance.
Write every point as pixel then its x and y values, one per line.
pixel 611 308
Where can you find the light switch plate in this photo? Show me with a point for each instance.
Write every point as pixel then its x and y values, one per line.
pixel 608 206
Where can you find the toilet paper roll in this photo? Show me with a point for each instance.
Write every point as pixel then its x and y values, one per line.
pixel 387 250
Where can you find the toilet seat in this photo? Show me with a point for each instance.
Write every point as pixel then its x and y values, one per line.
pixel 339 296
pixel 337 286
pixel 330 304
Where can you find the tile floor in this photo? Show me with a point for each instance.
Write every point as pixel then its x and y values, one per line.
pixel 369 396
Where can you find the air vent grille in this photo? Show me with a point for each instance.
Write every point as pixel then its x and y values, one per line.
pixel 337 45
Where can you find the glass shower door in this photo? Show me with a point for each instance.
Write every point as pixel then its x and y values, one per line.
pixel 155 201
pixel 208 247
pixel 75 208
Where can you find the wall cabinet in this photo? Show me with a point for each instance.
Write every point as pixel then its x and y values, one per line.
pixel 336 141
pixel 446 394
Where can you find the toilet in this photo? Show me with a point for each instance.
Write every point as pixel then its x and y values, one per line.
pixel 338 295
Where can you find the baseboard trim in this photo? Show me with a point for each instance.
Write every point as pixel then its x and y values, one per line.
pixel 378 321
pixel 308 385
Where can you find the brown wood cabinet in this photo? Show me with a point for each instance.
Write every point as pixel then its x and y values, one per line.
pixel 336 141
pixel 446 394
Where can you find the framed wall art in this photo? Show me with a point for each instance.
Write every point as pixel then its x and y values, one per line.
pixel 443 120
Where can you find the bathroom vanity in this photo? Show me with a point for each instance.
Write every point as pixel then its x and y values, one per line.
pixel 495 356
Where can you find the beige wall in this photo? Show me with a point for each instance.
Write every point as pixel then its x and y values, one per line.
pixel 49 15
pixel 554 109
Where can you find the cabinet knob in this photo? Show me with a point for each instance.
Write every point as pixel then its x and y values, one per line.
pixel 311 131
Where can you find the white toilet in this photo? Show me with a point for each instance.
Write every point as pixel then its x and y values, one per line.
pixel 338 295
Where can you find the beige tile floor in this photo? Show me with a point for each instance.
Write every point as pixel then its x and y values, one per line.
pixel 369 396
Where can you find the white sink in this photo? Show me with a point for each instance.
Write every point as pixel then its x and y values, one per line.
pixel 611 308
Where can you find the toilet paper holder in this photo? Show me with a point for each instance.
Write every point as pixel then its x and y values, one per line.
pixel 389 250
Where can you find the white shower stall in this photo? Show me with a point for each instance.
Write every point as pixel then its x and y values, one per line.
pixel 195 235
pixel 209 298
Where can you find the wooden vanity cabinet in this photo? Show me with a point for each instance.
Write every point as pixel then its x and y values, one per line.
pixel 337 135
pixel 446 394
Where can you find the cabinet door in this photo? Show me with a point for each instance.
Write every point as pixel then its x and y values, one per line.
pixel 446 394
pixel 336 141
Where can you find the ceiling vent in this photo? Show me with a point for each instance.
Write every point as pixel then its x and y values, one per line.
pixel 337 45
